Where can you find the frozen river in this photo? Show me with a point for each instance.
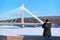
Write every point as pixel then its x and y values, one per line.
pixel 16 31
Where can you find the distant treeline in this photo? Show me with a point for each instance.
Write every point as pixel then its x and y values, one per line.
pixel 53 19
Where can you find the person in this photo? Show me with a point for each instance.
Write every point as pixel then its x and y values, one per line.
pixel 47 30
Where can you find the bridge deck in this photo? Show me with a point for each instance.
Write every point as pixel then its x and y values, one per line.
pixel 18 23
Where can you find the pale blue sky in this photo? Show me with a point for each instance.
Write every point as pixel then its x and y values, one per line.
pixel 40 7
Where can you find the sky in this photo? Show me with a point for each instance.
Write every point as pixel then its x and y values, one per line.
pixel 38 7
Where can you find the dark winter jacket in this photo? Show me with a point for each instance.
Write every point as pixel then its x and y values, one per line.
pixel 47 29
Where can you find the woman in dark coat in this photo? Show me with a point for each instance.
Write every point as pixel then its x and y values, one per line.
pixel 47 29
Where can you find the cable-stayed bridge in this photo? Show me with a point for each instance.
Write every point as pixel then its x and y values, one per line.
pixel 22 17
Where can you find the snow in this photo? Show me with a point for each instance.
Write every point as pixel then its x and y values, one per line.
pixel 27 31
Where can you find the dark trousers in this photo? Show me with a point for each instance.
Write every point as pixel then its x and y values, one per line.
pixel 47 38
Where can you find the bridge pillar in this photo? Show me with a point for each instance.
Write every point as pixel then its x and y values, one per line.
pixel 22 16
pixel 35 26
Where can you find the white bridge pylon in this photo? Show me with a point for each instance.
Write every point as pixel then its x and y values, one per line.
pixel 23 8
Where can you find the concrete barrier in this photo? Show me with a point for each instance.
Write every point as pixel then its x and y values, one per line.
pixel 26 38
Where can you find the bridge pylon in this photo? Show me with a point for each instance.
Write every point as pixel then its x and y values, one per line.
pixel 22 15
